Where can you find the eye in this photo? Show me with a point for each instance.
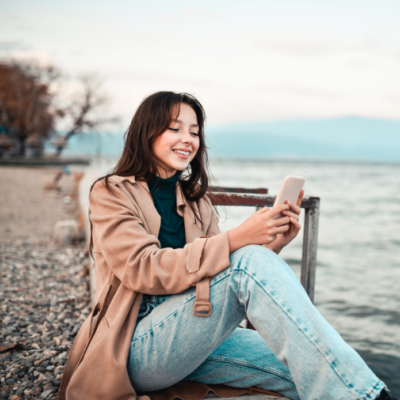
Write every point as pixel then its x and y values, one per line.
pixel 195 134
pixel 174 129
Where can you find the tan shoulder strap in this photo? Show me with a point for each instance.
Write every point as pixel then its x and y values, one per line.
pixel 202 306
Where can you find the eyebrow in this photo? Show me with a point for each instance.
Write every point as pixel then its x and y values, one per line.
pixel 192 126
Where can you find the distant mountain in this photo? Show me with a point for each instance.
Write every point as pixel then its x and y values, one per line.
pixel 347 138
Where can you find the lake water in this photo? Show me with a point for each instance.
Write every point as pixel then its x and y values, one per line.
pixel 358 268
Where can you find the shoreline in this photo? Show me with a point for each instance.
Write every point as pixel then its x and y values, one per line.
pixel 44 285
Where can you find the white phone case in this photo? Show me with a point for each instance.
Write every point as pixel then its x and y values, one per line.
pixel 290 190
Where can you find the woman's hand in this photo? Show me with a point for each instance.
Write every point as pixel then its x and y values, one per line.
pixel 260 228
pixel 294 226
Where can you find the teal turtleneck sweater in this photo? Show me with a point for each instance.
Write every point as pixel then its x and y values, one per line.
pixel 172 230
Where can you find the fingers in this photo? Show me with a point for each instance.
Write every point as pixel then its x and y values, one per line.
pixel 280 229
pixel 280 221
pixel 278 209
pixel 298 203
pixel 294 207
pixel 295 223
pixel 291 214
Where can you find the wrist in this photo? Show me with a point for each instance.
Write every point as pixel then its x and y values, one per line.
pixel 274 248
pixel 236 239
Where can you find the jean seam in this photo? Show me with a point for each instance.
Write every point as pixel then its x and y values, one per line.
pixel 248 364
pixel 367 395
pixel 352 390
pixel 226 275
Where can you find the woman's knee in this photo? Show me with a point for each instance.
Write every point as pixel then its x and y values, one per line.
pixel 253 254
pixel 257 259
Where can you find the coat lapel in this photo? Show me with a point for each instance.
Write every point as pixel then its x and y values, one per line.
pixel 146 205
pixel 193 228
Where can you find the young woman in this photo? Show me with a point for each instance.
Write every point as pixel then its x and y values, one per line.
pixel 155 237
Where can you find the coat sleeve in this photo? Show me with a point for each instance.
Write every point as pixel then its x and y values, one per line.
pixel 135 256
pixel 213 229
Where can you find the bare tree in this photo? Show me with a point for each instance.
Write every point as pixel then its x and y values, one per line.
pixel 26 101
pixel 33 101
pixel 85 111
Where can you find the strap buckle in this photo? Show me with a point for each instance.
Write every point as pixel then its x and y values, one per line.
pixel 202 308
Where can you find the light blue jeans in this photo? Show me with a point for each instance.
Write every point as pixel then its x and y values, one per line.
pixel 294 351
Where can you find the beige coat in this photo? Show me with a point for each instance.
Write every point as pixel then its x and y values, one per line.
pixel 129 262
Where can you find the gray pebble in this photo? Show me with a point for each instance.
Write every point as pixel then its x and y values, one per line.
pixel 46 394
pixel 7 357
pixel 35 319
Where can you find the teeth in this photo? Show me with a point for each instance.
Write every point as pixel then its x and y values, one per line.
pixel 182 152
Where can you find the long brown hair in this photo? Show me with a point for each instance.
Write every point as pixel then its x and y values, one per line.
pixel 151 119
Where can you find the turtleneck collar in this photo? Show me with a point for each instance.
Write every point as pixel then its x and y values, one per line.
pixel 169 183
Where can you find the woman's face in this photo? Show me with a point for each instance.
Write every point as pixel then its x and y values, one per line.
pixel 180 137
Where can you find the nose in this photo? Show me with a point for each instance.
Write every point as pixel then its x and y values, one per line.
pixel 187 137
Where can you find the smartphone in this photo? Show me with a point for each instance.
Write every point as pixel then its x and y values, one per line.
pixel 290 190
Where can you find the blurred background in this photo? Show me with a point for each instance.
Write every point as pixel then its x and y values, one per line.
pixel 305 88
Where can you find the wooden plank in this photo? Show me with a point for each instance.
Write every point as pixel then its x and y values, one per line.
pixel 253 200
pixel 248 397
pixel 310 246
pixel 236 190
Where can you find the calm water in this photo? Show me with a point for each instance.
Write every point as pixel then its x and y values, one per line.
pixel 358 272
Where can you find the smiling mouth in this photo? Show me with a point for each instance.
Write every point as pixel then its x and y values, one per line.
pixel 183 153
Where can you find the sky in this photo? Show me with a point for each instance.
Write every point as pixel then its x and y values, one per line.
pixel 246 61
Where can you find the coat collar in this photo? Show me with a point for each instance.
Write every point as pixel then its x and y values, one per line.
pixel 120 179
pixel 193 228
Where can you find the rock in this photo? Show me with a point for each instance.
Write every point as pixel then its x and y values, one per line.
pixel 5 358
pixel 39 366
pixel 62 355
pixel 46 394
pixel 49 184
pixel 66 232
pixel 36 391
pixel 49 386
pixel 59 370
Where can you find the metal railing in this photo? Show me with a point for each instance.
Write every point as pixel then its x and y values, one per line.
pixel 230 196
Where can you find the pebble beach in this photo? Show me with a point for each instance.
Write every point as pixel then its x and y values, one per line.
pixel 44 286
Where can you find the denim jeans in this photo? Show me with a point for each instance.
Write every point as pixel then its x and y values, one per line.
pixel 294 350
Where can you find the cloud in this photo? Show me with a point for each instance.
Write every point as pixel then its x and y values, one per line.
pixel 13 46
pixel 310 46
pixel 298 46
pixel 299 90
pixel 393 99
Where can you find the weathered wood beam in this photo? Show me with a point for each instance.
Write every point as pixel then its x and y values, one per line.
pixel 254 200
pixel 237 190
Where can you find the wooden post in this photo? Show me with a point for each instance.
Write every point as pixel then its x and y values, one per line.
pixel 310 245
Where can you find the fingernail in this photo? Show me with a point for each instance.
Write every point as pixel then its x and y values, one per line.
pixel 289 202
